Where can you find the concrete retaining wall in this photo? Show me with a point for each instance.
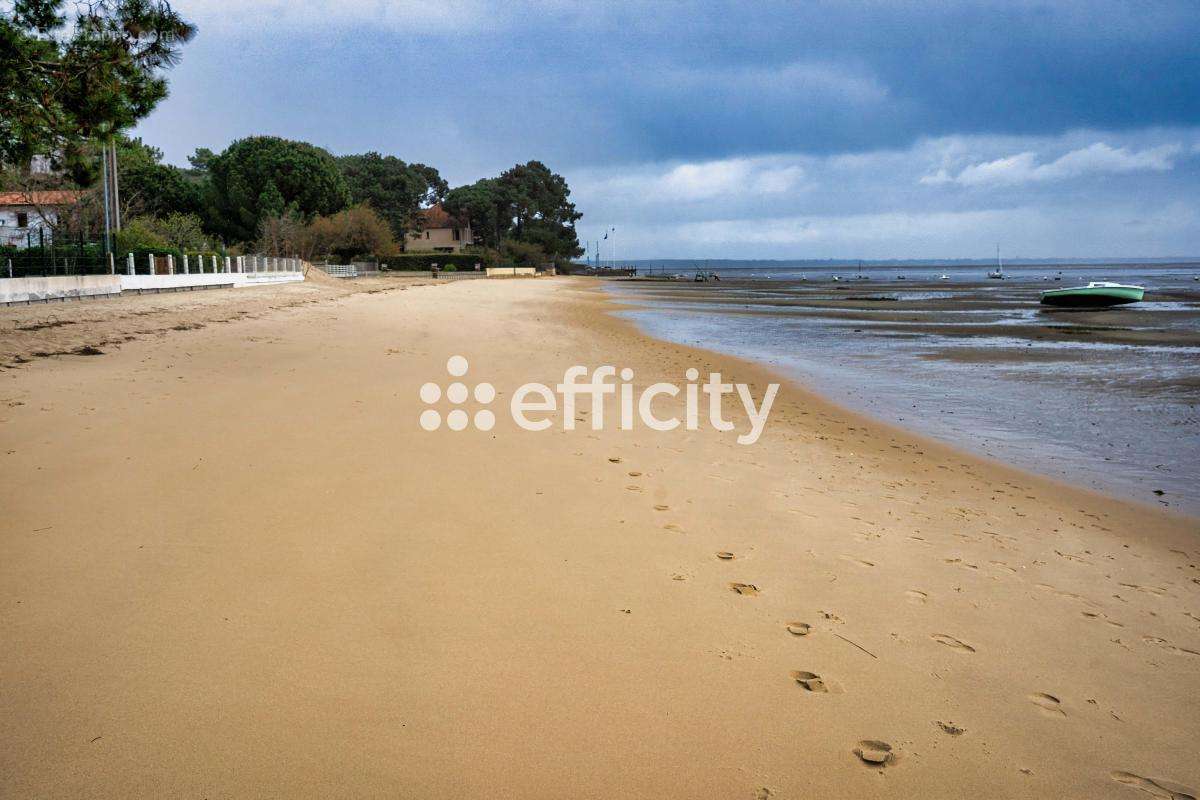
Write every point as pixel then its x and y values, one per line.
pixel 68 287
pixel 151 283
pixel 57 287
pixel 208 280
pixel 507 272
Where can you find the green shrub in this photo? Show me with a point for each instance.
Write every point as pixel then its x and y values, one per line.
pixel 448 262
pixel 139 235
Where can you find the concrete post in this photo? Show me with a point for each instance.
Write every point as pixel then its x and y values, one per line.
pixel 227 269
pixel 170 264
pixel 129 264
pixel 150 259
pixel 112 263
pixel 216 268
pixel 186 267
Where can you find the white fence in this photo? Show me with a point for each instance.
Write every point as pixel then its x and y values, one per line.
pixel 159 274
pixel 341 270
pixel 210 265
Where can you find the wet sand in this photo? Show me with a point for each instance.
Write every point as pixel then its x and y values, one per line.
pixel 232 564
pixel 1107 398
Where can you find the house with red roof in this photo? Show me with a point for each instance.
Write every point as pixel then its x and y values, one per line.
pixel 440 232
pixel 23 214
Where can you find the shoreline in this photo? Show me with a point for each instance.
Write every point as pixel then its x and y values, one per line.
pixel 981 369
pixel 764 373
pixel 241 550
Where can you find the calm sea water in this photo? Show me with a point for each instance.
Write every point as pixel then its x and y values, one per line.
pixel 974 362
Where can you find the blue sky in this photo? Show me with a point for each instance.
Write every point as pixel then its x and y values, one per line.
pixel 803 129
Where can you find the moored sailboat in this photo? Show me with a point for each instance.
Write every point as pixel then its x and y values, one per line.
pixel 1095 294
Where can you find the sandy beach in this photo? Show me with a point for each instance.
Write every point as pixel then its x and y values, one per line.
pixel 233 565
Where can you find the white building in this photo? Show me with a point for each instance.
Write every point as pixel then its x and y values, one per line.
pixel 25 213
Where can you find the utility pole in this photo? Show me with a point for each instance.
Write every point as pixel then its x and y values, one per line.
pixel 107 201
pixel 116 187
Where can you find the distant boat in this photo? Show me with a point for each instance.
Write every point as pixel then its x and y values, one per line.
pixel 943 277
pixel 998 272
pixel 1096 294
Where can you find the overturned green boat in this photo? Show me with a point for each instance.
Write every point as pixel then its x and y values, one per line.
pixel 1095 294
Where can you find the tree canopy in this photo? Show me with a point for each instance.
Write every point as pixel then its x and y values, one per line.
pixel 150 187
pixel 527 203
pixel 266 176
pixel 66 84
pixel 74 78
pixel 396 190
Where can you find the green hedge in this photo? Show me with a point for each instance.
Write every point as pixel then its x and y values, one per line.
pixel 449 262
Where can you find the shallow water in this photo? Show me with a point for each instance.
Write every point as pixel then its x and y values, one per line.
pixel 1109 399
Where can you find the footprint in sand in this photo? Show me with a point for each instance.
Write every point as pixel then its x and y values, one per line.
pixel 1048 703
pixel 950 728
pixel 858 561
pixel 1155 787
pixel 671 526
pixel 875 753
pixel 725 555
pixel 1154 590
pixel 812 682
pixel 746 589
pixel 635 474
pixel 916 596
pixel 661 507
pixel 956 645
pixel 1103 618
pixel 633 487
pixel 799 628
pixel 615 460
pixel 1170 648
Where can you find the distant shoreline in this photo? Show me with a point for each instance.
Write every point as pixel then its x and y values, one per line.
pixel 726 263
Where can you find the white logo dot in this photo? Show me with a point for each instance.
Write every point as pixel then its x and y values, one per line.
pixel 430 419
pixel 627 374
pixel 456 420
pixel 485 393
pixel 457 366
pixel 457 393
pixel 430 393
pixel 692 373
pixel 485 420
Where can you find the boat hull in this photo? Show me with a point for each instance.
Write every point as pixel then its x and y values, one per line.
pixel 1093 296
